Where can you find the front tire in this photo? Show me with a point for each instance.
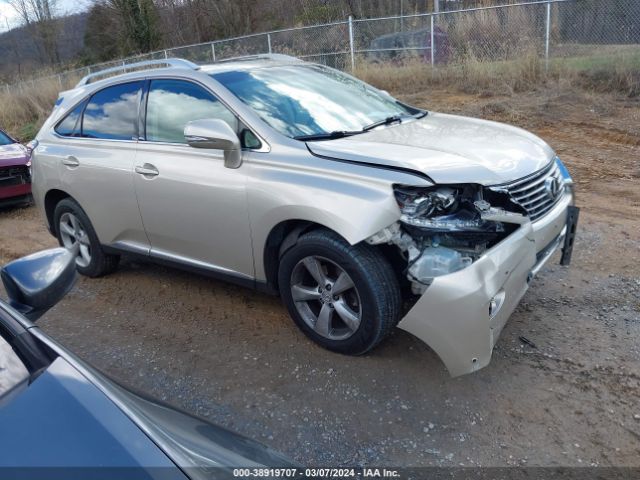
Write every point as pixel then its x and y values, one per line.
pixel 345 298
pixel 75 232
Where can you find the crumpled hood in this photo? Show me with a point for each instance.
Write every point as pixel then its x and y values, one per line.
pixel 12 154
pixel 447 148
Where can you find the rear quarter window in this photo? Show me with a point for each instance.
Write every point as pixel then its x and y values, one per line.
pixel 70 125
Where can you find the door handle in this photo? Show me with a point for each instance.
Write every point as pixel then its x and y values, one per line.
pixel 147 170
pixel 70 161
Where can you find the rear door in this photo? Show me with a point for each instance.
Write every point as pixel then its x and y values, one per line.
pixel 95 153
pixel 194 209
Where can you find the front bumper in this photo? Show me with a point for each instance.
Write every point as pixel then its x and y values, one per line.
pixel 15 183
pixel 10 193
pixel 461 315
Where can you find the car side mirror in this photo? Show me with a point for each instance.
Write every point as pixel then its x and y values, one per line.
pixel 215 134
pixel 37 282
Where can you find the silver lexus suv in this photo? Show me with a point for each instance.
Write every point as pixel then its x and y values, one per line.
pixel 360 211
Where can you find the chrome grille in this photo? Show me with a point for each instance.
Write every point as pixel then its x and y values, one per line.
pixel 538 193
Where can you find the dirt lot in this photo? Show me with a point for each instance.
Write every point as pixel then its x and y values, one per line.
pixel 233 356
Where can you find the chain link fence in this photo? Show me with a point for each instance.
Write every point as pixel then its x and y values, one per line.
pixel 556 30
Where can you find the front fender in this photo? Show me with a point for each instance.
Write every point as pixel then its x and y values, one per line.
pixel 354 206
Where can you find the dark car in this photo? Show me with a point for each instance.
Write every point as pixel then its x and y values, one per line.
pixel 15 175
pixel 400 46
pixel 61 418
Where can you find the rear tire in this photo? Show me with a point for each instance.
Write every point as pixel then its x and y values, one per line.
pixel 74 231
pixel 345 298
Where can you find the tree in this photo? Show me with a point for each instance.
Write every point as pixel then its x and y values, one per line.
pixel 136 24
pixel 101 35
pixel 38 18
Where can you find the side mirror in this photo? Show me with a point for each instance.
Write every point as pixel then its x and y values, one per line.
pixel 215 134
pixel 37 282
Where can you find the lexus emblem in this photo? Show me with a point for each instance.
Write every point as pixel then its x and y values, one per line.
pixel 552 187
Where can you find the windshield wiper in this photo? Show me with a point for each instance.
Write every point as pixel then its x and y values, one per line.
pixel 326 136
pixel 345 133
pixel 386 121
pixel 394 119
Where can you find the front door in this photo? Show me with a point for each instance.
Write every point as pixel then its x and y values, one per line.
pixel 193 208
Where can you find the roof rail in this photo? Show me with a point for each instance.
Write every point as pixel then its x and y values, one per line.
pixel 261 56
pixel 171 62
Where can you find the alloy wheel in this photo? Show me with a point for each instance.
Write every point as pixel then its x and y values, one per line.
pixel 326 298
pixel 74 237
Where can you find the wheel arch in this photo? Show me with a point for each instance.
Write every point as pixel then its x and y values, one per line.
pixel 282 237
pixel 51 199
pixel 285 234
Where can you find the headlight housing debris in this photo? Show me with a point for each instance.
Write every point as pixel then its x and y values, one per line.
pixel 443 208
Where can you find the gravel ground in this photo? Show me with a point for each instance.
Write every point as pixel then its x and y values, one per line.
pixel 233 356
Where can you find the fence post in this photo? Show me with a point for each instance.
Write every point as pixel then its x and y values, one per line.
pixel 433 41
pixel 269 42
pixel 547 37
pixel 351 48
pixel 213 52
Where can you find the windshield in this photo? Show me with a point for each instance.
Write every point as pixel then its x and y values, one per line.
pixel 5 139
pixel 303 100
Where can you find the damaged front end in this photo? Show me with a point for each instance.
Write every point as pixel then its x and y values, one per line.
pixel 469 253
pixel 444 229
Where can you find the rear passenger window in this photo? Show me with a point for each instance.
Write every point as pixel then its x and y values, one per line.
pixel 70 125
pixel 174 103
pixel 112 113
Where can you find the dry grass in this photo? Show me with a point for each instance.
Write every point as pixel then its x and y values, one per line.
pixel 25 109
pixel 469 76
pixel 501 52
pixel 607 73
pixel 489 35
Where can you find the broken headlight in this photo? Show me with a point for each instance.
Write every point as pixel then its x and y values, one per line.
pixel 440 208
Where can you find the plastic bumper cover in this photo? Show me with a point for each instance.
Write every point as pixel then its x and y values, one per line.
pixel 461 315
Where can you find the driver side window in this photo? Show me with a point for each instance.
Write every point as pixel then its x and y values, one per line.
pixel 171 104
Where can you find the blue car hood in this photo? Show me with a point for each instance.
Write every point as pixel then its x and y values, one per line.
pixel 63 421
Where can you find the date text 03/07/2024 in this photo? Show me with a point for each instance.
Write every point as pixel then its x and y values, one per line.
pixel 315 473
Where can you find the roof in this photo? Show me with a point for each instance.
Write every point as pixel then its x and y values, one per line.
pixel 238 63
pixel 250 62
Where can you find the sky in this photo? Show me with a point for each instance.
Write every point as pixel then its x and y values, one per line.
pixel 8 14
